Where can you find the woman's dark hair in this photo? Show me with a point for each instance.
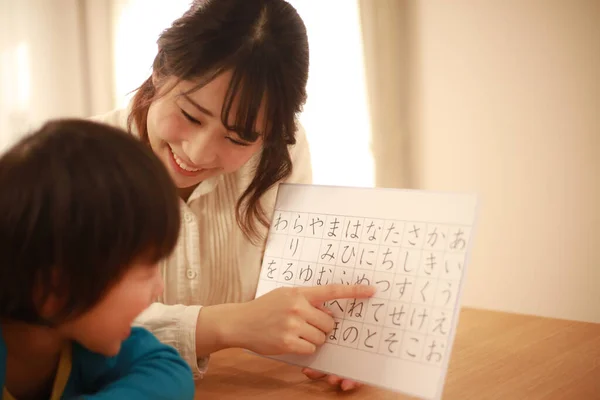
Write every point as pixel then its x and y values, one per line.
pixel 81 203
pixel 265 46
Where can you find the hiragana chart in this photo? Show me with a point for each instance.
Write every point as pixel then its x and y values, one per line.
pixel 412 245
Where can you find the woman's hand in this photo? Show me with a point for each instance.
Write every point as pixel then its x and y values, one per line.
pixel 344 384
pixel 286 320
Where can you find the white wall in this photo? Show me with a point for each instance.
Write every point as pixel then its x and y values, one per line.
pixel 39 64
pixel 136 25
pixel 53 63
pixel 336 114
pixel 506 101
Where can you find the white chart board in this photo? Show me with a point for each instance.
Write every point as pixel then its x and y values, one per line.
pixel 414 246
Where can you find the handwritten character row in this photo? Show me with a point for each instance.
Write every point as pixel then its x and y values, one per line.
pixel 418 289
pixel 394 314
pixel 367 256
pixel 391 342
pixel 389 232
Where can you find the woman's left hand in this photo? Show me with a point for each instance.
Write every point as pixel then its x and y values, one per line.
pixel 344 384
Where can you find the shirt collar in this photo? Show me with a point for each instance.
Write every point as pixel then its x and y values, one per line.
pixel 205 187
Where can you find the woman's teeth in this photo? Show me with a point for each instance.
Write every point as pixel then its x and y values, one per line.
pixel 182 164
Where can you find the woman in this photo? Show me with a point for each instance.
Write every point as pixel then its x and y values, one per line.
pixel 220 111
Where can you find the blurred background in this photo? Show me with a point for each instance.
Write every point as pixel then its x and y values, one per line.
pixel 501 98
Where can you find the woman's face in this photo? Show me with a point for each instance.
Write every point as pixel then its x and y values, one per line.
pixel 187 134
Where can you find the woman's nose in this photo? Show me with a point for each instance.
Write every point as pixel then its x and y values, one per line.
pixel 202 148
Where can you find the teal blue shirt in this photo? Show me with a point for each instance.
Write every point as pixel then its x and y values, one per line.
pixel 144 369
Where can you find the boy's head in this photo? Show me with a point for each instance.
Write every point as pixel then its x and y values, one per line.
pixel 87 211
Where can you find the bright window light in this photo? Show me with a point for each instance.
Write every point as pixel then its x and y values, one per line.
pixel 335 116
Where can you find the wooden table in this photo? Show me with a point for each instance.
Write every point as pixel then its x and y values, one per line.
pixel 495 356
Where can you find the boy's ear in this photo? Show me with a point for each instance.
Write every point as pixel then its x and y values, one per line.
pixel 48 304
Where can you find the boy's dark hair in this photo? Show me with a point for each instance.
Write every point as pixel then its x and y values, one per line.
pixel 80 202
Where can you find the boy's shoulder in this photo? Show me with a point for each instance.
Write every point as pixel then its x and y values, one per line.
pixel 144 364
pixel 140 344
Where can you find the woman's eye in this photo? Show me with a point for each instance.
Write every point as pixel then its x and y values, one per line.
pixel 237 142
pixel 190 118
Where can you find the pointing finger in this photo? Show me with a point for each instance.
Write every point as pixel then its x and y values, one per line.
pixel 319 294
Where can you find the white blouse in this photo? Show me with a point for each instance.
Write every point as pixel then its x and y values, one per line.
pixel 213 262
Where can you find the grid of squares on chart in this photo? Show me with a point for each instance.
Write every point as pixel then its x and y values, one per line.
pixel 415 265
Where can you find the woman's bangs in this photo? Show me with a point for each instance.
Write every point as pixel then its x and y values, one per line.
pixel 246 93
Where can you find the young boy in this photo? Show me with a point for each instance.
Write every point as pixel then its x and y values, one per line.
pixel 86 211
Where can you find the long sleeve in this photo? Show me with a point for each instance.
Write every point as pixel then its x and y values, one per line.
pixel 144 369
pixel 175 325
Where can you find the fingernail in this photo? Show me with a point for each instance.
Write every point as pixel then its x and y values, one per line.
pixel 334 380
pixel 346 385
